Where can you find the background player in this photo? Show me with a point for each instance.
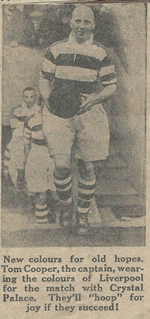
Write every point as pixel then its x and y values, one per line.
pixel 39 172
pixel 18 148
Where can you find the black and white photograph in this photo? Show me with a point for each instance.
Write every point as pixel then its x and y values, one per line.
pixel 74 124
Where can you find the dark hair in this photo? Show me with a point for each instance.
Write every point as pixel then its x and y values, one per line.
pixel 28 88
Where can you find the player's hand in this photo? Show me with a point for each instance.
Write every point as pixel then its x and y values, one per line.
pixel 87 102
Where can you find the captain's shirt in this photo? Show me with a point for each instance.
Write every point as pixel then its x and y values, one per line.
pixel 74 69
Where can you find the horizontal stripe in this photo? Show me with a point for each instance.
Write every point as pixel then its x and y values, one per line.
pixel 63 189
pixel 38 135
pixel 19 113
pixel 41 214
pixel 37 128
pixel 104 85
pixel 48 66
pixel 107 70
pixel 84 203
pixel 59 186
pixel 88 187
pixel 26 126
pixel 68 48
pixel 22 118
pixel 114 81
pixel 88 182
pixel 75 73
pixel 39 142
pixel 46 75
pixel 106 61
pixel 83 210
pixel 82 87
pixel 86 191
pixel 108 77
pixel 17 110
pixel 78 60
pixel 41 209
pixel 27 133
pixel 41 206
pixel 64 192
pixel 35 123
pixel 85 196
pixel 49 55
pixel 62 181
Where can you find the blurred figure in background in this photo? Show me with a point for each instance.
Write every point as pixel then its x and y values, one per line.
pixel 18 149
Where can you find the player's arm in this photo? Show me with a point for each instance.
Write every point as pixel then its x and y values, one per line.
pixel 16 119
pixel 47 75
pixel 108 80
pixel 99 97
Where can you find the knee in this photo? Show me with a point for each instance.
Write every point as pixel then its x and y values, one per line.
pixel 62 166
pixel 86 169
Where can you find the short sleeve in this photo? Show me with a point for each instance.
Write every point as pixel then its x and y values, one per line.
pixel 107 72
pixel 48 66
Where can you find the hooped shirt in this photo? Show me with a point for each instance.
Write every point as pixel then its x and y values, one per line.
pixel 75 69
pixel 22 114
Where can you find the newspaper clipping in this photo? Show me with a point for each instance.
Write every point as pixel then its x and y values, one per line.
pixel 74 129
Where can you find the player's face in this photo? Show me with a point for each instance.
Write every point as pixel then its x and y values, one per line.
pixel 29 98
pixel 82 24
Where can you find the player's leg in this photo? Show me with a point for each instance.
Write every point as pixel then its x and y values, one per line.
pixel 63 184
pixel 14 169
pixel 6 163
pixel 18 144
pixel 86 189
pixel 41 209
pixel 60 138
pixel 92 145
pixel 18 157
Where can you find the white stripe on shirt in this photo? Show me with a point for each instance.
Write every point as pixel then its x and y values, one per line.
pixel 38 135
pixel 48 66
pixel 114 81
pixel 75 48
pixel 75 73
pixel 106 70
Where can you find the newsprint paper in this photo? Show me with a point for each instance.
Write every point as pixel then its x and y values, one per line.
pixel 75 159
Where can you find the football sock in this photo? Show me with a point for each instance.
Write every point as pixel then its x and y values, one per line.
pixel 41 212
pixel 86 189
pixel 64 189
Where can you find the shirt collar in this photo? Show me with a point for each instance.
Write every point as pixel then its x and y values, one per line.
pixel 73 40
